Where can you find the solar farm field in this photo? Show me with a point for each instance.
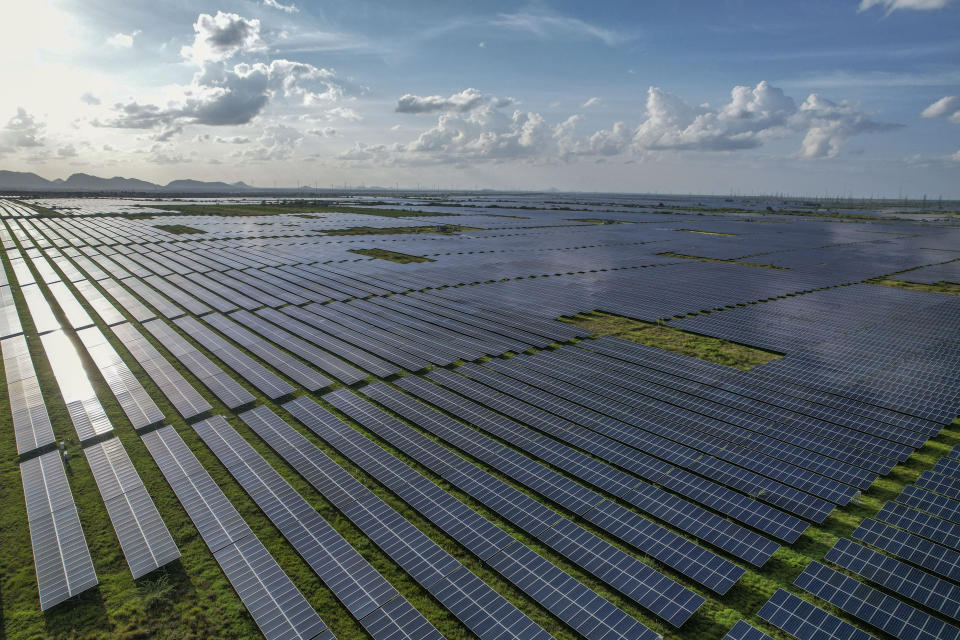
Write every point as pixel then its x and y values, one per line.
pixel 479 416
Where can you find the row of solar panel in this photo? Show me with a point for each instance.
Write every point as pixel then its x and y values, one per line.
pixel 359 587
pixel 31 423
pixel 560 593
pixel 186 400
pixel 276 605
pixel 486 613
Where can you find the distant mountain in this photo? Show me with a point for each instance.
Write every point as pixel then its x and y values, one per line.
pixel 18 180
pixel 85 182
pixel 197 185
pixel 22 181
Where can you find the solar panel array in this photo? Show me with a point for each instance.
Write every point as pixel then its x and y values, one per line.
pixel 60 552
pixel 31 422
pixel 275 604
pixel 361 589
pixel 145 540
pixel 622 468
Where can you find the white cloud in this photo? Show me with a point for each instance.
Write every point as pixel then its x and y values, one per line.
pixel 546 24
pixel 326 132
pixel 466 100
pixel 591 102
pixel 89 98
pixel 946 107
pixel 276 142
pixel 221 95
pixel 222 36
pixel 234 140
pixel 122 40
pixel 21 131
pixel 470 133
pixel 288 8
pixel 67 151
pixel 893 5
pixel 753 116
pixel 343 113
pixel 463 102
pixel 829 124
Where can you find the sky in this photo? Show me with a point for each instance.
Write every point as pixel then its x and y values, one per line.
pixel 820 97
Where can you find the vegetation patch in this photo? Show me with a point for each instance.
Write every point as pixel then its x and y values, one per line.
pixel 601 220
pixel 278 208
pixel 706 348
pixel 936 287
pixel 178 228
pixel 392 256
pixel 670 254
pixel 708 233
pixel 443 229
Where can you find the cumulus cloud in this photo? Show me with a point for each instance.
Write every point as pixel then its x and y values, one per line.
pixel 591 102
pixel 122 40
pixel 466 100
pixel 752 116
pixel 222 36
pixel 276 142
pixel 22 131
pixel 894 5
pixel 829 124
pixel 946 107
pixel 325 132
pixel 288 8
pixel 67 151
pixel 234 140
pixel 221 95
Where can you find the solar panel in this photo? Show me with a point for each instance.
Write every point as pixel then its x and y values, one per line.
pixel 355 583
pixel 735 539
pixel 645 585
pixel 77 316
pixel 921 552
pixel 145 540
pixel 248 368
pixel 60 553
pixel 31 423
pixel 422 558
pixel 909 582
pixel 228 390
pixel 39 308
pixel 276 605
pixel 805 621
pixel 743 631
pixel 873 607
pixel 940 506
pixel 136 403
pixel 922 524
pixel 9 317
pixel 286 364
pixel 88 417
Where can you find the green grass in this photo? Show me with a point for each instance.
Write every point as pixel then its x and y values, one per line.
pixel 936 287
pixel 178 228
pixel 708 233
pixel 392 256
pixel 279 208
pixel 685 256
pixel 601 221
pixel 367 231
pixel 706 348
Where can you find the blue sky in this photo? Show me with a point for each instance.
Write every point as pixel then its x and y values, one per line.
pixel 813 97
